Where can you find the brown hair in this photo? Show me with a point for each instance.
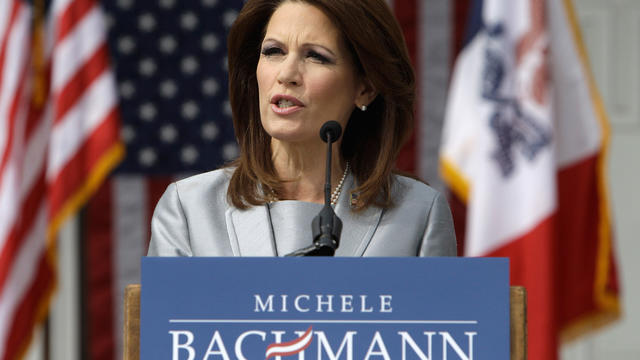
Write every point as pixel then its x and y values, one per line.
pixel 372 139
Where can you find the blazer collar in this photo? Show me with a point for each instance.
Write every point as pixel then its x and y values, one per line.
pixel 250 231
pixel 357 228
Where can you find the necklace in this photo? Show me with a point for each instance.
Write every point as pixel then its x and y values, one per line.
pixel 336 192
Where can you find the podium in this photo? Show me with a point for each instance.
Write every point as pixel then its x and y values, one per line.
pixel 518 322
pixel 259 307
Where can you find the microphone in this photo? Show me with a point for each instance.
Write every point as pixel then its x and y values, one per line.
pixel 330 131
pixel 326 227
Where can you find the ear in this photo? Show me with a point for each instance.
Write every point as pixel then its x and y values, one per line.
pixel 365 93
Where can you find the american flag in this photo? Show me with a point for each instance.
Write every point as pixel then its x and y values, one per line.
pixel 58 140
pixel 171 68
pixel 170 59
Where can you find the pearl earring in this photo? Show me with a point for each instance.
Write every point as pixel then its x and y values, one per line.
pixel 363 107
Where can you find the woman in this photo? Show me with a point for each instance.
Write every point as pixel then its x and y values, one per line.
pixel 294 65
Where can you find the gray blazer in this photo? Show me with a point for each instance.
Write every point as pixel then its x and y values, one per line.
pixel 194 218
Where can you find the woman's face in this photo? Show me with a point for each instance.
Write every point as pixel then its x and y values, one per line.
pixel 305 74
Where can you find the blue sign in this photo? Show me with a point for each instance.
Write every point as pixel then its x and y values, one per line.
pixel 324 308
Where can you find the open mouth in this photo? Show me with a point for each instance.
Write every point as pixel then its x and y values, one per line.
pixel 283 104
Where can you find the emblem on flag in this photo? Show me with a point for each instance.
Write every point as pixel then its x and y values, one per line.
pixel 512 125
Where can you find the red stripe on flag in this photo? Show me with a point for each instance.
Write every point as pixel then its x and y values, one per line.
pixel 24 220
pixel 71 93
pixel 31 309
pixel 71 16
pixel 13 113
pixel 406 12
pixel 67 182
pixel 99 269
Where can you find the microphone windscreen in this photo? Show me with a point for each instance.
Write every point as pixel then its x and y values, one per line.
pixel 330 127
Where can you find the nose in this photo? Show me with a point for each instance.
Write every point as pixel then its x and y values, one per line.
pixel 289 73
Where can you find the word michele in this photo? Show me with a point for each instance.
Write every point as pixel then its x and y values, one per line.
pixel 304 303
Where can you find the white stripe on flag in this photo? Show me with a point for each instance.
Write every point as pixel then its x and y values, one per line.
pixel 22 273
pixel 14 187
pixel 10 179
pixel 59 6
pixel 77 47
pixel 35 153
pixel 5 6
pixel 88 112
pixel 15 59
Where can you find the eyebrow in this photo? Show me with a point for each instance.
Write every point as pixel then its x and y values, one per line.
pixel 305 45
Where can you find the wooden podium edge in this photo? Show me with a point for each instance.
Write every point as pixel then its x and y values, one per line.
pixel 517 323
pixel 132 322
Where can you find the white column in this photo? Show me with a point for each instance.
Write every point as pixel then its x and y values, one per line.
pixel 434 49
pixel 64 331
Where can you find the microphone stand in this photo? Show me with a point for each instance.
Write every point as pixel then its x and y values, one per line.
pixel 326 227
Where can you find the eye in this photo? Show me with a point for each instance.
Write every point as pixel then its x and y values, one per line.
pixel 272 50
pixel 318 57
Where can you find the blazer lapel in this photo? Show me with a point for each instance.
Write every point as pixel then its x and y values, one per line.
pixel 249 231
pixel 357 228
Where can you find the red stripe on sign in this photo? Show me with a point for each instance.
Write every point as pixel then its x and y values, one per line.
pixel 99 269
pixel 292 347
pixel 533 264
pixel 77 86
pixel 31 309
pixel 407 15
pixel 71 16
pixel 17 235
pixel 67 182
